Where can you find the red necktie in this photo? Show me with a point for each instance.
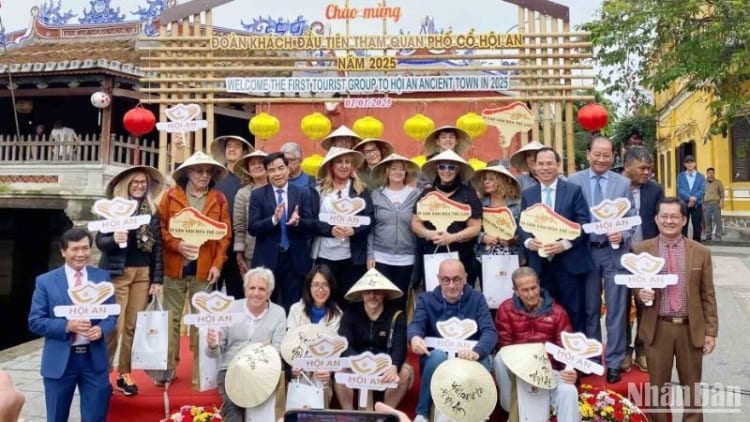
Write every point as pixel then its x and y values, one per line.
pixel 673 291
pixel 78 279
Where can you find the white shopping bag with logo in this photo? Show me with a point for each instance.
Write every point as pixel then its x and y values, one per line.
pixel 431 267
pixel 497 284
pixel 151 338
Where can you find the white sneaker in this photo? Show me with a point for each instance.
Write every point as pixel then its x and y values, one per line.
pixel 420 418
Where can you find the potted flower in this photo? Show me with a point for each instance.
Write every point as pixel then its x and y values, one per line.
pixel 196 414
pixel 598 404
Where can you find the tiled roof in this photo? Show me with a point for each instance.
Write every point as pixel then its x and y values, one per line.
pixel 63 55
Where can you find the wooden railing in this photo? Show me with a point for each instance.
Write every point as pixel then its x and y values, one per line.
pixel 34 149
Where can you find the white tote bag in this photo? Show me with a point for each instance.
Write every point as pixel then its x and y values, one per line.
pixel 151 338
pixel 304 394
pixel 431 267
pixel 496 281
pixel 208 366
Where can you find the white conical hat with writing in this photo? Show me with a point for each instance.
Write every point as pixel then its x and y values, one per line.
pixel 253 374
pixel 463 390
pixel 530 362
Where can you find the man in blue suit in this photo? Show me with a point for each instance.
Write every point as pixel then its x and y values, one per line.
pixel 564 272
pixel 691 186
pixel 646 197
pixel 75 351
pixel 598 183
pixel 282 222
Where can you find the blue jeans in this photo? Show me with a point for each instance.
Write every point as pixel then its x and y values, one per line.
pixel 428 365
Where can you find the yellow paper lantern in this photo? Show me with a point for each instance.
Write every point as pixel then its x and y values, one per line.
pixel 476 163
pixel 418 126
pixel 264 126
pixel 368 127
pixel 419 160
pixel 315 126
pixel 473 124
pixel 311 164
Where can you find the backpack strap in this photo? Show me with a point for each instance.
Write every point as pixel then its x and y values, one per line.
pixel 393 327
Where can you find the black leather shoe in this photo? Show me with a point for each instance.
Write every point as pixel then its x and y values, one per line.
pixel 613 375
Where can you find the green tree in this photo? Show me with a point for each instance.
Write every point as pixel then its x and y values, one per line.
pixel 702 43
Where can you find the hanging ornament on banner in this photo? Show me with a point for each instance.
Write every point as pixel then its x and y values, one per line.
pixel 368 127
pixel 315 126
pixel 264 126
pixel 418 127
pixel 182 120
pixel 473 124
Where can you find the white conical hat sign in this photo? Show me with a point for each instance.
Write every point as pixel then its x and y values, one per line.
pixel 253 375
pixel 530 363
pixel 463 390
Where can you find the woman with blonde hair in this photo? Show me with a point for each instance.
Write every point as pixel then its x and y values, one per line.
pixel 253 175
pixel 391 245
pixel 134 259
pixel 497 187
pixel 342 248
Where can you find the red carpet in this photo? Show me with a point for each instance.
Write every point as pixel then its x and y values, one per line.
pixel 148 405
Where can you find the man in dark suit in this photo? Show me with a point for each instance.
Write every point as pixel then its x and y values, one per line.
pixel 562 274
pixel 75 351
pixel 682 322
pixel 599 183
pixel 282 222
pixel 646 196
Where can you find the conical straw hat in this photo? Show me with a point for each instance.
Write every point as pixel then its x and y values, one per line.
pixel 430 167
pixel 372 280
pixel 463 140
pixel 530 363
pixel 253 374
pixel 465 381
pixel 157 180
pixel 340 131
pixel 518 159
pixel 199 158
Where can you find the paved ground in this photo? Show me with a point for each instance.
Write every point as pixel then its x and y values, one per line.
pixel 727 366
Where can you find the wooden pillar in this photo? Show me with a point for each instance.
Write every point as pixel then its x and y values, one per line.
pixel 558 105
pixel 522 29
pixel 163 136
pixel 569 131
pixel 531 26
pixel 105 143
pixel 209 97
pixel 547 106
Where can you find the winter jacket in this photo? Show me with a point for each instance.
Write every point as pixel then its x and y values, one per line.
pixel 392 231
pixel 213 252
pixel 432 308
pixel 365 335
pixel 113 257
pixel 517 325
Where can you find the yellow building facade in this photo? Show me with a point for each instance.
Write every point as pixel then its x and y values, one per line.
pixel 684 128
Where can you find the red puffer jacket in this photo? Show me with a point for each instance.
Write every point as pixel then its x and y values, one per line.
pixel 517 325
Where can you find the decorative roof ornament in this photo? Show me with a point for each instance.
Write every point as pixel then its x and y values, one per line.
pixel 148 15
pixel 50 14
pixel 101 12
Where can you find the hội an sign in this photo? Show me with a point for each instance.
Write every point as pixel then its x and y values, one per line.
pixel 446 41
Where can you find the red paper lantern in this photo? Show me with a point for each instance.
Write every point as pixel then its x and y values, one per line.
pixel 139 121
pixel 592 117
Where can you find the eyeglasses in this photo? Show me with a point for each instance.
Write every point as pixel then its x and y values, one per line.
pixel 203 171
pixel 456 281
pixel 320 286
pixel 370 151
pixel 449 167
pixel 139 182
